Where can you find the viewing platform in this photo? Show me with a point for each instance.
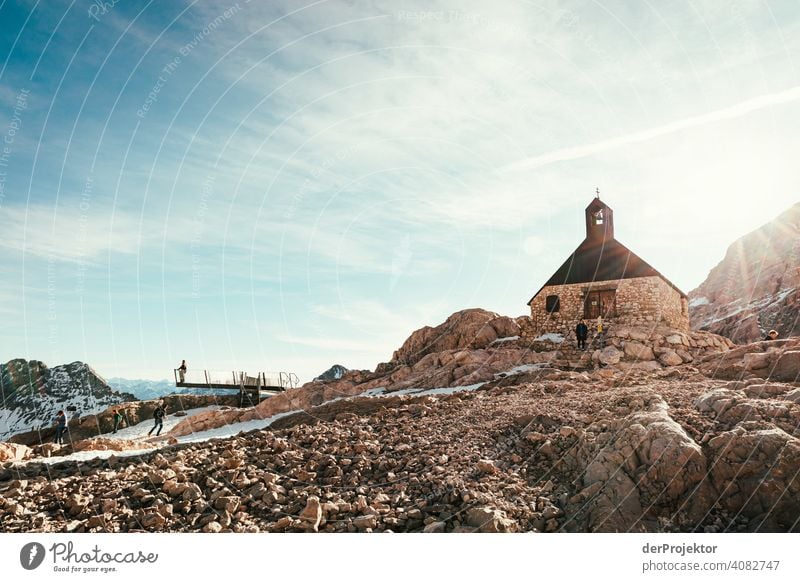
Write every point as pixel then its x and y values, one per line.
pixel 250 387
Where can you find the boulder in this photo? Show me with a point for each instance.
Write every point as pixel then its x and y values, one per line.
pixel 609 356
pixel 13 452
pixel 637 351
pixel 756 360
pixel 470 328
pixel 670 358
pixel 649 458
pixel 489 520
pixel 767 390
pixel 787 367
pixel 755 470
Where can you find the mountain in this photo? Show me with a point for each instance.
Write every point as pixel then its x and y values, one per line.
pixel 756 286
pixel 32 394
pixel 335 372
pixel 462 433
pixel 143 389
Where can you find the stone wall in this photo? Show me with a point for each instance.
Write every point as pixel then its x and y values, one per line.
pixel 640 301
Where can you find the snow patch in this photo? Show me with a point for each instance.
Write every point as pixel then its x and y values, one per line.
pixel 523 369
pixel 556 338
pixel 501 340
pixel 698 301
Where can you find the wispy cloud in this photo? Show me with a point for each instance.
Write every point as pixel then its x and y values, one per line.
pixel 732 112
pixel 68 234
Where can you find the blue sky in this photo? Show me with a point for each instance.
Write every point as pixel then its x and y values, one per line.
pixel 282 185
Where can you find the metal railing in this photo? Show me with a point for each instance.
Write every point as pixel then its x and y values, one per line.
pixel 233 379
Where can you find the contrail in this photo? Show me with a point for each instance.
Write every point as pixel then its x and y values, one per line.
pixel 576 152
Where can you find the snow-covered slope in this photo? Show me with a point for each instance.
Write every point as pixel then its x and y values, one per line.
pixel 32 394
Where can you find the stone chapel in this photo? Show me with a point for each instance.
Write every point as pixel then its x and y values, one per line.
pixel 603 277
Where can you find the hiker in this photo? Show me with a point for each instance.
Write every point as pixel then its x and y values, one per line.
pixel 182 371
pixel 582 332
pixel 158 415
pixel 600 338
pixel 772 335
pixel 61 427
pixel 117 419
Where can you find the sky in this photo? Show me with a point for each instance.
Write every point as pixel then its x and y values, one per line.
pixel 284 185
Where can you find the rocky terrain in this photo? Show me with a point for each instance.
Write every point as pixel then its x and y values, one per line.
pixel 756 287
pixel 658 431
pixel 32 394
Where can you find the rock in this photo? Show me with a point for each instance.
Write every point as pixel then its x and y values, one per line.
pixel 229 503
pixel 212 527
pixel 489 520
pixel 787 367
pixel 312 513
pixel 670 358
pixel 757 360
pixel 609 356
pixel 471 328
pixel 435 527
pixel 363 522
pixel 13 452
pixel 766 390
pixel 486 466
pixel 749 485
pixel 793 396
pixel 153 521
pixel 674 339
pixel 666 462
pixel 646 366
pixel 637 351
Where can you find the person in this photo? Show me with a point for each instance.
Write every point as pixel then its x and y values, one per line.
pixel 581 332
pixel 61 427
pixel 182 371
pixel 600 337
pixel 772 335
pixel 158 415
pixel 117 419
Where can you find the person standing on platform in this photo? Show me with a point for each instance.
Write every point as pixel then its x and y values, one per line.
pixel 182 372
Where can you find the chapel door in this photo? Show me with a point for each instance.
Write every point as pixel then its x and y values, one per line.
pixel 600 303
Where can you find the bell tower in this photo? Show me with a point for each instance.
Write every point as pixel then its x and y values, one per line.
pixel 599 221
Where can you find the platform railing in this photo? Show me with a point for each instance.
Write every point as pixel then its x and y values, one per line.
pixel 235 379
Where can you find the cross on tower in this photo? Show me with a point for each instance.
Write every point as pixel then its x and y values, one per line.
pixel 597 192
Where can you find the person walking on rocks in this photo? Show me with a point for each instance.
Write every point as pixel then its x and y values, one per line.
pixel 158 415
pixel 117 419
pixel 61 427
pixel 182 372
pixel 582 332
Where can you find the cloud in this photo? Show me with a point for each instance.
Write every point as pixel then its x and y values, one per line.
pixel 68 234
pixel 732 112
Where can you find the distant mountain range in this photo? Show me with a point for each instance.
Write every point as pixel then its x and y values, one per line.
pixel 756 287
pixel 32 394
pixel 152 389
